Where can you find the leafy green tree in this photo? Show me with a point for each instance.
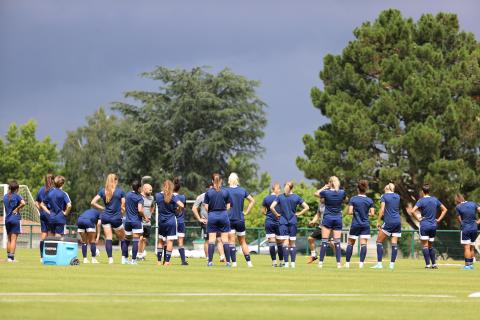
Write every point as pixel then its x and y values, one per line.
pixel 89 154
pixel 403 100
pixel 197 123
pixel 26 159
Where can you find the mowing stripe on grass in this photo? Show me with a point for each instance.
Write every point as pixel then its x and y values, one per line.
pixel 214 294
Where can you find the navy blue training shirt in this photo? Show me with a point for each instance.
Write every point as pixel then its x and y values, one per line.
pixel 237 198
pixel 57 201
pixel 468 212
pixel 91 215
pixel 333 201
pixel 132 199
pixel 11 201
pixel 183 199
pixel 392 208
pixel 429 207
pixel 217 200
pixel 166 210
pixel 288 206
pixel 361 206
pixel 267 202
pixel 113 207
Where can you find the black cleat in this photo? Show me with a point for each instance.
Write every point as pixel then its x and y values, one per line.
pixel 184 263
pixel 434 266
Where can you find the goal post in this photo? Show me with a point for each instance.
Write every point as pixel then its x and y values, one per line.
pixel 30 213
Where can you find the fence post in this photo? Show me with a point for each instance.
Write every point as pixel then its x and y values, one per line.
pixel 31 236
pixel 412 247
pixel 258 240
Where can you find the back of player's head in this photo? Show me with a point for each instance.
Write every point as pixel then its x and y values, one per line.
pixel 59 181
pixel 288 186
pixel 276 187
pixel 459 198
pixel 217 181
pixel 362 186
pixel 390 187
pixel 426 188
pixel 167 189
pixel 334 183
pixel 49 181
pixel 233 180
pixel 13 186
pixel 136 186
pixel 176 184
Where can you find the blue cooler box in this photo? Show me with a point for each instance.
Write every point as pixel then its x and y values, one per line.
pixel 60 251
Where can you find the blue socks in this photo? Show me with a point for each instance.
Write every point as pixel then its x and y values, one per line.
pixel 181 250
pixel 271 248
pixel 168 255
pixel 232 250
pixel 159 254
pixel 293 253
pixel 226 249
pixel 338 250
pixel 84 250
pixel 211 250
pixel 134 248
pixel 468 261
pixel 432 255
pixel 379 252
pixel 124 245
pixel 394 252
pixel 285 254
pixel 323 249
pixel 348 253
pixel 41 248
pixel 363 252
pixel 108 247
pixel 280 251
pixel 426 255
pixel 93 249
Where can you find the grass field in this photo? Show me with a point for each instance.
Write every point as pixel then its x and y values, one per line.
pixel 147 291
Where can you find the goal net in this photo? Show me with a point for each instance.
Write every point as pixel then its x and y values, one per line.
pixel 30 217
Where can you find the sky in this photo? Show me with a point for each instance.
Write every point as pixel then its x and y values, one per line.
pixel 62 60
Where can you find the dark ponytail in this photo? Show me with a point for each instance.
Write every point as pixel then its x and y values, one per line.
pixel 217 181
pixel 12 188
pixel 49 182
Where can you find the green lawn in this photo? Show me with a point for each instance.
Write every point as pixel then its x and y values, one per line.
pixel 147 291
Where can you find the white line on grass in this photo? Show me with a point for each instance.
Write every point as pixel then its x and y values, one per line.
pixel 215 294
pixel 474 295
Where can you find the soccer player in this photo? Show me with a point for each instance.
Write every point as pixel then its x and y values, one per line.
pixel 169 206
pixel 288 203
pixel 271 226
pixel 58 205
pixel 44 216
pixel 180 220
pixel 467 216
pixel 202 218
pixel 237 218
pixel 13 203
pixel 217 202
pixel 361 207
pixel 89 225
pixel 428 207
pixel 113 199
pixel 391 227
pixel 133 220
pixel 148 209
pixel 333 198
pixel 317 233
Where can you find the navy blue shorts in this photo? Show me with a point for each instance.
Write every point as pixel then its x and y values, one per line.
pixel 469 235
pixel 13 226
pixel 428 231
pixel 167 229
pixel 132 227
pixel 57 223
pixel 181 229
pixel 44 221
pixel 392 229
pixel 238 227
pixel 287 231
pixel 271 229
pixel 332 222
pixel 114 221
pixel 218 222
pixel 362 231
pixel 85 225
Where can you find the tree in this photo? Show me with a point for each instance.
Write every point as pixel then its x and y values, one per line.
pixel 26 159
pixel 192 126
pixel 89 154
pixel 403 104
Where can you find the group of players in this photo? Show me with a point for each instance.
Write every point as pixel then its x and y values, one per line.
pixel 220 211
